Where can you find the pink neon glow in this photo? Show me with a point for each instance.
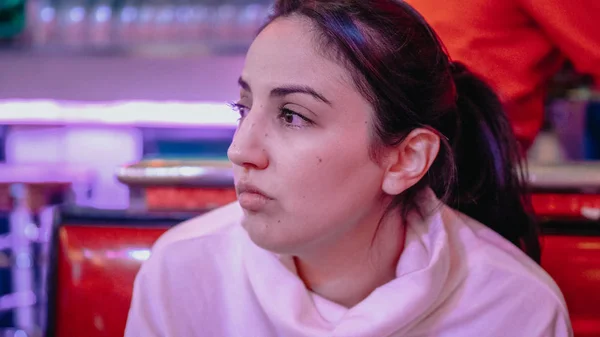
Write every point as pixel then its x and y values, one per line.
pixel 126 113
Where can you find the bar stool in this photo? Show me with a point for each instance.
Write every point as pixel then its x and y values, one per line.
pixel 27 195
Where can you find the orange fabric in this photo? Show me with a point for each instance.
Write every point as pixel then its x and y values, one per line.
pixel 518 45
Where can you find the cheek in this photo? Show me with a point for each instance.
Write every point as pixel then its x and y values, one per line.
pixel 331 173
pixel 325 193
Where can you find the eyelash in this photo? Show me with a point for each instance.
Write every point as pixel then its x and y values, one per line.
pixel 243 110
pixel 239 108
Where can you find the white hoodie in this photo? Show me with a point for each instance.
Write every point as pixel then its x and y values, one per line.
pixel 455 278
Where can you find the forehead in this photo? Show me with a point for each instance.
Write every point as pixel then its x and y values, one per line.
pixel 286 51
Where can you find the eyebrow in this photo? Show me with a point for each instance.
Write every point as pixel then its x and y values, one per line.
pixel 288 90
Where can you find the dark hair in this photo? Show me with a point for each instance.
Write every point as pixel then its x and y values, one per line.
pixel 400 66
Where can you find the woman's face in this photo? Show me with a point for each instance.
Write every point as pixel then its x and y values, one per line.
pixel 301 152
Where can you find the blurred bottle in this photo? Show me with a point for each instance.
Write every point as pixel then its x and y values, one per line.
pixel 43 22
pixel 225 20
pixel 238 21
pixel 145 21
pixel 576 121
pixel 592 131
pixel 99 26
pixel 201 20
pixel 165 26
pixel 12 18
pixel 183 24
pixel 251 18
pixel 72 17
pixel 125 21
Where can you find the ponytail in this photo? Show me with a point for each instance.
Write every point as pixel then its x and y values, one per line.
pixel 490 178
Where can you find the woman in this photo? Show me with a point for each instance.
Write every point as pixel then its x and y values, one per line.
pixel 365 162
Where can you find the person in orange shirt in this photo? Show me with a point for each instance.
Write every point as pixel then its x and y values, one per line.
pixel 517 46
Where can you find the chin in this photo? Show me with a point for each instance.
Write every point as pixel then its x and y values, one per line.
pixel 272 239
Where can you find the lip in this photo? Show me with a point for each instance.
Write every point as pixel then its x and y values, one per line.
pixel 251 198
pixel 249 188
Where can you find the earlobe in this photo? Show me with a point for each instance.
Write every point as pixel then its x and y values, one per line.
pixel 410 160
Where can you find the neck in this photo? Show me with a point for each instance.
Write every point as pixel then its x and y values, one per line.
pixel 365 258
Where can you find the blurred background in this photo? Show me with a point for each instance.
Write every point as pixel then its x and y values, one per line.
pixel 114 127
pixel 100 100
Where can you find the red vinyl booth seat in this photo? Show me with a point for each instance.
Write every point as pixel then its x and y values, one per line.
pixel 571 252
pixel 571 256
pixel 95 261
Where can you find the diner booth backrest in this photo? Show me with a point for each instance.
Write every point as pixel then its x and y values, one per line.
pixel 94 260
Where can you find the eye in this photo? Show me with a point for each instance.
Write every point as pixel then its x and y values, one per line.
pixel 293 119
pixel 240 108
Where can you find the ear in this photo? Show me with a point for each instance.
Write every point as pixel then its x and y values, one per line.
pixel 409 161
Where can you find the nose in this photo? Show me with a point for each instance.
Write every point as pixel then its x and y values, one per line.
pixel 247 148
